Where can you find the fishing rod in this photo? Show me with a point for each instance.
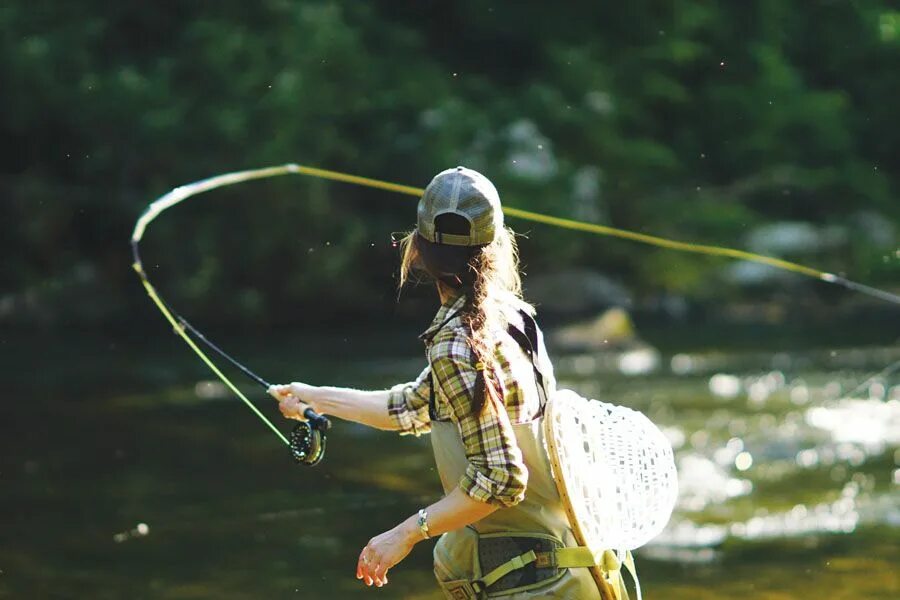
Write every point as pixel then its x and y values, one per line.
pixel 307 440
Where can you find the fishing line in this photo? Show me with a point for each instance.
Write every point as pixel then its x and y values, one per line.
pixel 307 441
pixel 874 377
pixel 316 425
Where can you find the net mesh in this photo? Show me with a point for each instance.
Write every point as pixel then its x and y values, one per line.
pixel 618 469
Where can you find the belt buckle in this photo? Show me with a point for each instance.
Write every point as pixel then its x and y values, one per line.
pixel 545 560
pixel 460 589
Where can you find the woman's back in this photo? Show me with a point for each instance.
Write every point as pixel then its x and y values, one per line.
pixel 469 553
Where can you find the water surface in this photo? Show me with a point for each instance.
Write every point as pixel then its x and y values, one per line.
pixel 126 473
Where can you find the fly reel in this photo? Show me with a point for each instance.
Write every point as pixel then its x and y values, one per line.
pixel 307 440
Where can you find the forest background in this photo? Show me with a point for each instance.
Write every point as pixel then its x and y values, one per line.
pixel 767 126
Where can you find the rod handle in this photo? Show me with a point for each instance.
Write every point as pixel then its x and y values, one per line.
pixel 320 422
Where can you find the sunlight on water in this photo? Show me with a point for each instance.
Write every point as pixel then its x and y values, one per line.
pixel 872 423
pixel 737 462
pixel 789 471
pixel 702 482
pixel 638 362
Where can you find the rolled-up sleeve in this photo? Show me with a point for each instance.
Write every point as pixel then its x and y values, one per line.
pixel 408 405
pixel 496 473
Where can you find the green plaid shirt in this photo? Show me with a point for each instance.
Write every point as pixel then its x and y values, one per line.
pixel 496 472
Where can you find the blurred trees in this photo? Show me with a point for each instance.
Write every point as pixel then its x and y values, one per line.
pixel 688 119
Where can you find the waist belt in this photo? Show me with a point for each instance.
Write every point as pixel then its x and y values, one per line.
pixel 540 565
pixel 560 558
pixel 570 558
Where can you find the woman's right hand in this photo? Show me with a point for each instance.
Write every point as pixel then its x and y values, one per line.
pixel 294 398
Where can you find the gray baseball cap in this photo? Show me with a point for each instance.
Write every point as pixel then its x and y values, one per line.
pixel 464 192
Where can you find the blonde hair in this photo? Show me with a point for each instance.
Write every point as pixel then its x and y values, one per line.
pixel 494 274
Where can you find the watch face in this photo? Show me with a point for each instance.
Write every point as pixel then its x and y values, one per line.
pixel 422 522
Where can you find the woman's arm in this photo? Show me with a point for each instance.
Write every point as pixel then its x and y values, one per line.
pixel 453 511
pixel 403 408
pixel 362 406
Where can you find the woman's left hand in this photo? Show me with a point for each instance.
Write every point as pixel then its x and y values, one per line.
pixel 383 552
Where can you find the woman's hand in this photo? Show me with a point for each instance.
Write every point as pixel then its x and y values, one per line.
pixel 384 551
pixel 294 399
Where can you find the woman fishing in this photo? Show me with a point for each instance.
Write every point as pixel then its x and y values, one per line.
pixel 503 528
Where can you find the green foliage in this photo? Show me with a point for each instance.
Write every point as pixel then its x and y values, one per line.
pixel 688 119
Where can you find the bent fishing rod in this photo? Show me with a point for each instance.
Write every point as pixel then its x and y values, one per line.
pixel 307 440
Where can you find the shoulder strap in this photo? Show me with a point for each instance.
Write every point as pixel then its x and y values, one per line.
pixel 432 411
pixel 436 330
pixel 527 338
pixel 530 329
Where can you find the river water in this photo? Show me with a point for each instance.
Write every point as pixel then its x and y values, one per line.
pixel 126 473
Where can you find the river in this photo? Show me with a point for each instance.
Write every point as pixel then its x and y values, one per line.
pixel 126 473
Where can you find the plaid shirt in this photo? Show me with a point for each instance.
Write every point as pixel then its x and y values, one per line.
pixel 496 472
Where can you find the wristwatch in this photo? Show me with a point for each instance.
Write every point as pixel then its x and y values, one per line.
pixel 422 523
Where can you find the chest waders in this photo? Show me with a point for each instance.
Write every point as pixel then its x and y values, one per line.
pixel 526 551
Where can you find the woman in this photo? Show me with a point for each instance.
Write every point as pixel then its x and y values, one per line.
pixel 504 530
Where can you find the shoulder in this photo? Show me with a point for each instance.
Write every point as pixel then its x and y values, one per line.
pixel 524 306
pixel 513 308
pixel 512 303
pixel 451 343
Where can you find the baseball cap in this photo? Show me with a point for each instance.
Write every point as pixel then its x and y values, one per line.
pixel 464 192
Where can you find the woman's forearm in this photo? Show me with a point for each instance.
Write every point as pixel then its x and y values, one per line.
pixel 456 510
pixel 453 511
pixel 362 406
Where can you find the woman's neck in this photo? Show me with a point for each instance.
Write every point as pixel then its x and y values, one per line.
pixel 446 293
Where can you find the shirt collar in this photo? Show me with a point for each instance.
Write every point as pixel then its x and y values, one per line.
pixel 453 305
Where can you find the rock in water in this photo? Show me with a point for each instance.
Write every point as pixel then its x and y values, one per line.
pixel 612 330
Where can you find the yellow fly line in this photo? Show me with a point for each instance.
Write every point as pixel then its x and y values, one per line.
pixel 184 192
pixel 181 193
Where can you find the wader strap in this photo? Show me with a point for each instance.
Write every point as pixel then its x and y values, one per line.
pixel 574 557
pixel 612 567
pixel 508 567
pixel 530 329
pixel 528 340
pixel 629 566
pixel 561 558
pixel 432 411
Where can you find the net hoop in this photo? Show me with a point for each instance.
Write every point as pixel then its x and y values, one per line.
pixel 614 470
